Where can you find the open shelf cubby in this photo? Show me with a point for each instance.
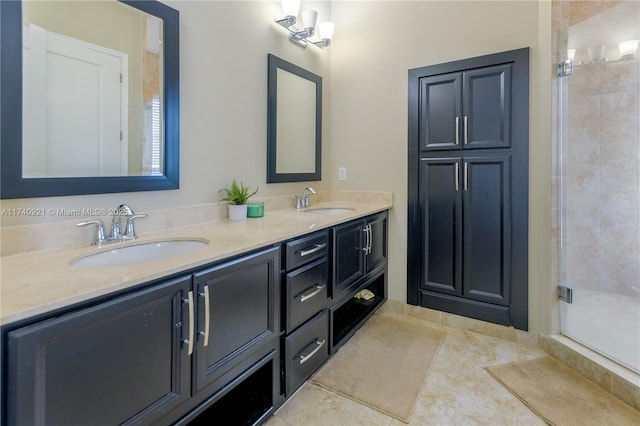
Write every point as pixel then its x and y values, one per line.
pixel 349 314
pixel 245 404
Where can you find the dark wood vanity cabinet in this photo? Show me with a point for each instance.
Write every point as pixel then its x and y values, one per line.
pixel 119 362
pixel 359 247
pixel 359 260
pixel 238 309
pixel 225 343
pixel 305 281
pixel 161 355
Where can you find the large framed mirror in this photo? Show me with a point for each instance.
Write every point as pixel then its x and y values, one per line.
pixel 294 143
pixel 90 97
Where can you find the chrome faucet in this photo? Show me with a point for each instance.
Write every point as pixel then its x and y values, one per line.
pixel 303 199
pixel 115 233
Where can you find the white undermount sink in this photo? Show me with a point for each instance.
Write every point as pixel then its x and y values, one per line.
pixel 329 210
pixel 140 253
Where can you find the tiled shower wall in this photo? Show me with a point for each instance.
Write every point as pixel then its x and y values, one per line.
pixel 596 189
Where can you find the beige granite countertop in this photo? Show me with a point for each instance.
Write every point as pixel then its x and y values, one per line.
pixel 38 282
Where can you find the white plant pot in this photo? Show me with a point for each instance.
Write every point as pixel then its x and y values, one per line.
pixel 237 211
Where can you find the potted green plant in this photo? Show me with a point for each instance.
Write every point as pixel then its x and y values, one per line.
pixel 237 196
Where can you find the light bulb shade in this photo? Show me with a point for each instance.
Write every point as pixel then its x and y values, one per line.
pixel 571 54
pixel 290 7
pixel 325 30
pixel 628 47
pixel 309 18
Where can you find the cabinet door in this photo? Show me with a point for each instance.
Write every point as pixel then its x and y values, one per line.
pixel 118 362
pixel 487 224
pixel 348 256
pixel 376 255
pixel 441 207
pixel 440 111
pixel 487 108
pixel 238 309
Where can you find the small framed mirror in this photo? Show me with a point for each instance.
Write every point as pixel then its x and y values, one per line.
pixel 294 144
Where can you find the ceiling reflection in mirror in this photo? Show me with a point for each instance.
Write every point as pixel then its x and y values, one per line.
pixel 92 91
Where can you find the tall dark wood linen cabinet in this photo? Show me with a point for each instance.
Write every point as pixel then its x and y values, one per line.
pixel 468 188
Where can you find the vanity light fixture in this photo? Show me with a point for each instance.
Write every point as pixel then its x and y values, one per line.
pixel 628 47
pixel 309 19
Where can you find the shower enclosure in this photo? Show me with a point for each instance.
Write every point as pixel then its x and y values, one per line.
pixel 597 174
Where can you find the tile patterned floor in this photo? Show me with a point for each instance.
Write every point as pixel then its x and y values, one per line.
pixel 458 391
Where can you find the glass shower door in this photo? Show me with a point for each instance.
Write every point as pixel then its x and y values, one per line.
pixel 598 186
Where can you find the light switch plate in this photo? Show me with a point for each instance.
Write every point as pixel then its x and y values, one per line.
pixel 342 173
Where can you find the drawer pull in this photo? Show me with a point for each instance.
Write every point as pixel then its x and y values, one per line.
pixel 316 248
pixel 304 297
pixel 319 344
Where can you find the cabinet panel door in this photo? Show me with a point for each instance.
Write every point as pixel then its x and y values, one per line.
pixel 243 306
pixel 487 108
pixel 118 362
pixel 487 224
pixel 348 256
pixel 440 111
pixel 377 254
pixel 440 203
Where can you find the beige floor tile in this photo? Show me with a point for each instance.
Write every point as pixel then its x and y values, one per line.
pixel 314 405
pixel 458 390
pixel 526 417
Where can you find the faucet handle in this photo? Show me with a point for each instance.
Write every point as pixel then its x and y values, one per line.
pixel 130 233
pixel 99 238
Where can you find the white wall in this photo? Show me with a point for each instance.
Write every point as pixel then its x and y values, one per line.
pixel 375 45
pixel 223 85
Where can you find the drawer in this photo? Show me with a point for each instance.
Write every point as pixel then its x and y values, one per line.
pixel 305 351
pixel 307 293
pixel 304 250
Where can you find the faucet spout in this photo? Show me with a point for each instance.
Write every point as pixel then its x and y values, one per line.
pixel 116 233
pixel 305 195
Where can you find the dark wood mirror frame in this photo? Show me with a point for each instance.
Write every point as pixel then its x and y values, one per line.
pixel 273 176
pixel 13 185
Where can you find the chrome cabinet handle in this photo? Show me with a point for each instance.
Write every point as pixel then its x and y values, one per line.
pixel 466 177
pixel 315 248
pixel 457 130
pixel 465 130
pixel 457 177
pixel 367 244
pixel 189 341
pixel 370 238
pixel 304 297
pixel 207 315
pixel 319 344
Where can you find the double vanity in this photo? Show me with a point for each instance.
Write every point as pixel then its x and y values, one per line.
pixel 227 326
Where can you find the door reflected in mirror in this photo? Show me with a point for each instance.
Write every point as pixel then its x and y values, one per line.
pixel 92 90
pixel 295 123
pixel 100 84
